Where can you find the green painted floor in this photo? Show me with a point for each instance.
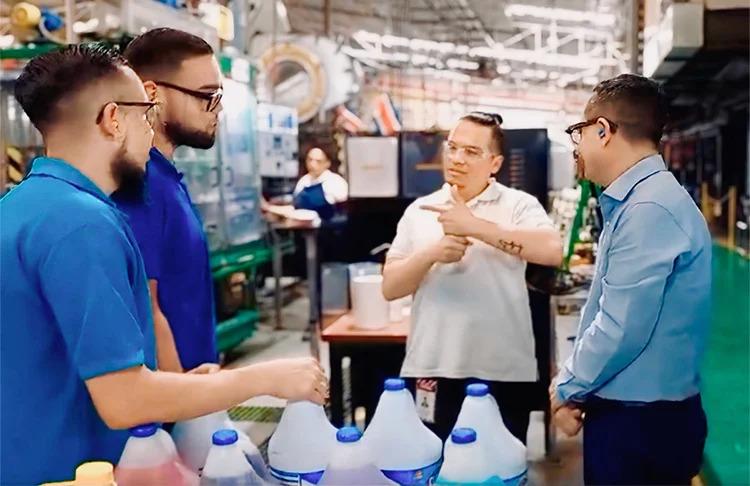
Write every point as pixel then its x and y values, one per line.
pixel 726 373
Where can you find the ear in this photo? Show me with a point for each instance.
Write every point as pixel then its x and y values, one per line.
pixel 109 123
pixel 151 90
pixel 604 131
pixel 497 163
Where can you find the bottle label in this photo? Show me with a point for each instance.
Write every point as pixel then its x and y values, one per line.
pixel 296 479
pixel 415 477
pixel 493 481
pixel 520 480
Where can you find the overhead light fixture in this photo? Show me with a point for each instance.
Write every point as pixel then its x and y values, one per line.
pixel 461 64
pixel 553 13
pixel 504 69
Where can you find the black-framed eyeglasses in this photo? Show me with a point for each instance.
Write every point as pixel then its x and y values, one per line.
pixel 213 98
pixel 149 105
pixel 576 130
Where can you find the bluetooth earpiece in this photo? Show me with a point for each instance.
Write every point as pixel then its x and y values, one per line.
pixel 601 133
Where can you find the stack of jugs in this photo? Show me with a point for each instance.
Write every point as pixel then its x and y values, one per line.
pixel 351 463
pixel 194 439
pixel 481 413
pixel 150 457
pixel 467 461
pixel 405 450
pixel 226 464
pixel 301 446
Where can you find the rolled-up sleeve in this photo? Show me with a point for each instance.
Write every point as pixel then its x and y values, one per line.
pixel 639 262
pixel 85 279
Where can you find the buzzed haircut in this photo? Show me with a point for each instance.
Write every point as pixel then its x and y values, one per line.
pixel 160 52
pixel 48 79
pixel 637 104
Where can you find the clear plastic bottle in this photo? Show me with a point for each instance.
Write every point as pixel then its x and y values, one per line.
pixel 404 448
pixel 149 459
pixel 481 413
pixel 301 446
pixel 226 464
pixel 351 463
pixel 467 461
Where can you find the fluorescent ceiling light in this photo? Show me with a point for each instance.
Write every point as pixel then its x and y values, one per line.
pixel 461 64
pixel 550 13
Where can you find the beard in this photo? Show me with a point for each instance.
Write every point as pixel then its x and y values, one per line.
pixel 129 176
pixel 580 165
pixel 179 134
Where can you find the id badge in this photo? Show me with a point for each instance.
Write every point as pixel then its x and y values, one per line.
pixel 425 399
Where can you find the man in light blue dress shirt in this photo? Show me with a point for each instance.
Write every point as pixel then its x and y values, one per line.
pixel 633 378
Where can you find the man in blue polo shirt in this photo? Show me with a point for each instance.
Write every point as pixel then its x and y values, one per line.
pixel 77 355
pixel 181 74
pixel 73 280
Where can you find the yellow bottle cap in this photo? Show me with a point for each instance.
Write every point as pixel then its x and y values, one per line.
pixel 95 474
pixel 25 15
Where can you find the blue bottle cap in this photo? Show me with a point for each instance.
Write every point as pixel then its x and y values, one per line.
pixel 348 434
pixel 395 384
pixel 477 390
pixel 463 436
pixel 145 430
pixel 224 437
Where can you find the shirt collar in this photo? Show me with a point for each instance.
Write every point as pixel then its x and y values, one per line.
pixel 490 194
pixel 163 163
pixel 322 177
pixel 619 189
pixel 62 170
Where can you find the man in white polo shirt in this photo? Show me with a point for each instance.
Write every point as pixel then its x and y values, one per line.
pixel 462 252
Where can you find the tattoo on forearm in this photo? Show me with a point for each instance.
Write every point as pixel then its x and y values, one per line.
pixel 510 247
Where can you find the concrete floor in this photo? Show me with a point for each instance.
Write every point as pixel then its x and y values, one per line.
pixel 563 470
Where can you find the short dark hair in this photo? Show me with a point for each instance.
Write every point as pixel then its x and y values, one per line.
pixel 161 51
pixel 636 103
pixel 491 120
pixel 47 79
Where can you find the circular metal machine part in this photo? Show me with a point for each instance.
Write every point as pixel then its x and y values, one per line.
pixel 296 77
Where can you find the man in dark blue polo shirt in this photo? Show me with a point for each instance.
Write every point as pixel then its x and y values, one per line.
pixel 180 73
pixel 77 355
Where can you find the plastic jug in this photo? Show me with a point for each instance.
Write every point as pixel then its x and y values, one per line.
pixel 404 448
pixel 334 288
pixel 226 464
pixel 301 446
pixel 194 439
pixel 371 310
pixel 467 461
pixel 481 413
pixel 147 459
pixel 351 462
pixel 90 474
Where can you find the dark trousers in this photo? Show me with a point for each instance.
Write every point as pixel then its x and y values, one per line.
pixel 515 401
pixel 659 443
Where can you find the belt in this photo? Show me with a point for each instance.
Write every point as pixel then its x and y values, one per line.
pixel 597 403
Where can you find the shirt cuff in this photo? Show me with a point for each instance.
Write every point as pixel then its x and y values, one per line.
pixel 567 389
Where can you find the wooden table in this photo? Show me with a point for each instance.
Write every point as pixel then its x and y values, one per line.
pixel 375 355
